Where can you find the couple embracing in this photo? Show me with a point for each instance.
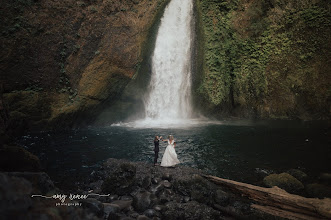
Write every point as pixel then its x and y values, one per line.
pixel 169 157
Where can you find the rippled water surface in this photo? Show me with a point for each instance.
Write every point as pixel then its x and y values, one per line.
pixel 239 150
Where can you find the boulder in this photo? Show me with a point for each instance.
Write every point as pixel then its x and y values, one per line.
pixel 113 197
pixel 120 177
pixel 142 201
pixel 222 198
pixel 160 208
pixel 196 187
pixel 167 176
pixel 241 207
pixel 157 189
pixel 126 198
pixel 284 181
pixel 166 184
pixel 110 209
pixel 146 182
pixel 108 199
pixel 16 202
pixel 134 215
pixel 122 204
pixel 298 174
pixel 186 199
pixel 15 158
pixel 96 186
pixel 154 200
pixel 40 181
pixel 15 194
pixel 150 213
pixel 164 197
pixel 115 216
pixel 94 206
pixel 156 180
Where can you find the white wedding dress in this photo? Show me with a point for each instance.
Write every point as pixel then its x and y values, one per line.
pixel 169 157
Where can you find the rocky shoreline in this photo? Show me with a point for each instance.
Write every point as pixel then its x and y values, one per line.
pixel 123 190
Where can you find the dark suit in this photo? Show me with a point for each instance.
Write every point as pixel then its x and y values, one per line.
pixel 156 150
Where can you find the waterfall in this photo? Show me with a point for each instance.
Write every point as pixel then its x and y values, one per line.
pixel 169 98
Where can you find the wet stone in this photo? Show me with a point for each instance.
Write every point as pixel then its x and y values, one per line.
pixel 110 208
pixel 164 198
pixel 159 208
pixel 129 209
pixel 113 197
pixel 156 180
pixel 122 204
pixel 150 213
pixel 166 184
pixel 186 199
pixel 134 215
pixel 154 200
pixel 242 207
pixel 156 189
pixel 146 182
pixel 221 198
pixel 115 216
pixel 126 198
pixel 169 192
pixel 142 217
pixel 94 206
pixel 167 176
pixel 141 201
pixel 176 198
pixel 298 174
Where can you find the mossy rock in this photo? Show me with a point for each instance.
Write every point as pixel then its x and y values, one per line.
pixel 284 181
pixel 318 190
pixel 14 158
pixel 325 178
pixel 298 174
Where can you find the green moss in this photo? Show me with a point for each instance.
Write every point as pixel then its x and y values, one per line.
pixel 284 181
pixel 275 53
pixel 219 50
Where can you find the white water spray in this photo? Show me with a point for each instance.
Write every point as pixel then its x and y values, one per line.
pixel 169 99
pixel 168 103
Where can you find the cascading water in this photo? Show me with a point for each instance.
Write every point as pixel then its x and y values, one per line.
pixel 169 99
pixel 168 103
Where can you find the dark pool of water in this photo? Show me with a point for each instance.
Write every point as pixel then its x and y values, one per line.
pixel 240 150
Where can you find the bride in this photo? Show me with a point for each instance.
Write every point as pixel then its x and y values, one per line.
pixel 170 157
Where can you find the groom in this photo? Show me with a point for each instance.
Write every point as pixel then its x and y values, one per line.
pixel 156 148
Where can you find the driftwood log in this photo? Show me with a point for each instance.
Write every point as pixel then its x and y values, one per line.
pixel 278 202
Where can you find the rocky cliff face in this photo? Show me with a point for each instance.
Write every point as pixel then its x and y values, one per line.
pixel 65 62
pixel 267 59
pixel 62 61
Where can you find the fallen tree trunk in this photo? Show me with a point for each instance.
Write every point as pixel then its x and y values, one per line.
pixel 278 202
